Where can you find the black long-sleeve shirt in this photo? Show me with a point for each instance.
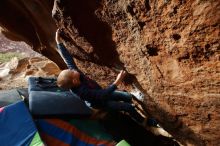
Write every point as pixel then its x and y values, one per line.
pixel 88 90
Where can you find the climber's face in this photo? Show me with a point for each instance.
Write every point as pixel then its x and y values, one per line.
pixel 76 78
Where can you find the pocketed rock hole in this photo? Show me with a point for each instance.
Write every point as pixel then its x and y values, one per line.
pixel 176 37
pixel 152 50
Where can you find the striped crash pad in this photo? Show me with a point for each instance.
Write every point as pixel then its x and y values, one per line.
pixel 17 127
pixel 56 132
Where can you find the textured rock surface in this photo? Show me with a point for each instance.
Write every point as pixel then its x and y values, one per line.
pixel 171 47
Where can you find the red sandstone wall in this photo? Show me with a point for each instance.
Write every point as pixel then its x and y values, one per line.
pixel 171 47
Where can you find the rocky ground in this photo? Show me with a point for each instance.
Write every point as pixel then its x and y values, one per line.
pixel 14 74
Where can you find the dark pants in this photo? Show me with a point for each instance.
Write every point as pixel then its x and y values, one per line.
pixel 121 101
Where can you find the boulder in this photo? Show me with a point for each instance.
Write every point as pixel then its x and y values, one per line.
pixel 171 49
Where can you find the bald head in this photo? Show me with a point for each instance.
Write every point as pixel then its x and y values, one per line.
pixel 68 79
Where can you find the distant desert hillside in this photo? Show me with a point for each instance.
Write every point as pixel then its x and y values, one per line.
pixel 7 45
